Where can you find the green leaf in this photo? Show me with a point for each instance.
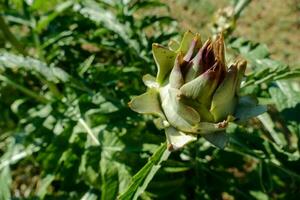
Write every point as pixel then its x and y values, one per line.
pixel 285 95
pixel 247 108
pixel 43 186
pixel 107 107
pixel 108 19
pixel 143 177
pixel 150 20
pixel 45 20
pixel 5 183
pixel 89 196
pixel 292 73
pixel 110 180
pixel 269 125
pixel 219 139
pixel 259 195
pixel 146 5
pixel 265 177
pixel 34 66
pixel 85 65
pixel 261 51
pixel 249 50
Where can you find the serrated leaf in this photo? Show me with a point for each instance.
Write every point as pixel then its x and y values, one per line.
pixel 94 12
pixel 218 139
pixel 150 20
pixel 146 4
pixel 247 108
pixel 284 96
pixel 45 20
pixel 89 196
pixel 44 184
pixel 110 180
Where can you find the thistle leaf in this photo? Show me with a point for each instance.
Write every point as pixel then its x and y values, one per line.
pixel 247 108
pixel 219 139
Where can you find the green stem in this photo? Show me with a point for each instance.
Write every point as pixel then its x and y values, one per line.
pixel 53 89
pixel 287 171
pixel 240 6
pixel 143 177
pixel 23 89
pixel 89 131
pixel 10 36
pixel 36 39
pixel 152 172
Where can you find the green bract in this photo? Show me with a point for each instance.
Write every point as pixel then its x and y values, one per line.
pixel 194 92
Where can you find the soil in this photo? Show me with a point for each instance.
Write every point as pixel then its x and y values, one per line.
pixel 273 22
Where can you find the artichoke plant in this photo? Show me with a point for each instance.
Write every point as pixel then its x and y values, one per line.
pixel 195 92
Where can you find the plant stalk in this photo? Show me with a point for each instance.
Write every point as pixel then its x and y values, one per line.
pixel 89 131
pixel 23 89
pixel 142 178
pixel 10 36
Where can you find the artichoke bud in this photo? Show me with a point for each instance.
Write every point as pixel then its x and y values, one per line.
pixel 194 93
pixel 203 84
pixel 178 114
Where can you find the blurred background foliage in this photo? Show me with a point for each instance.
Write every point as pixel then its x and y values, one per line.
pixel 68 69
